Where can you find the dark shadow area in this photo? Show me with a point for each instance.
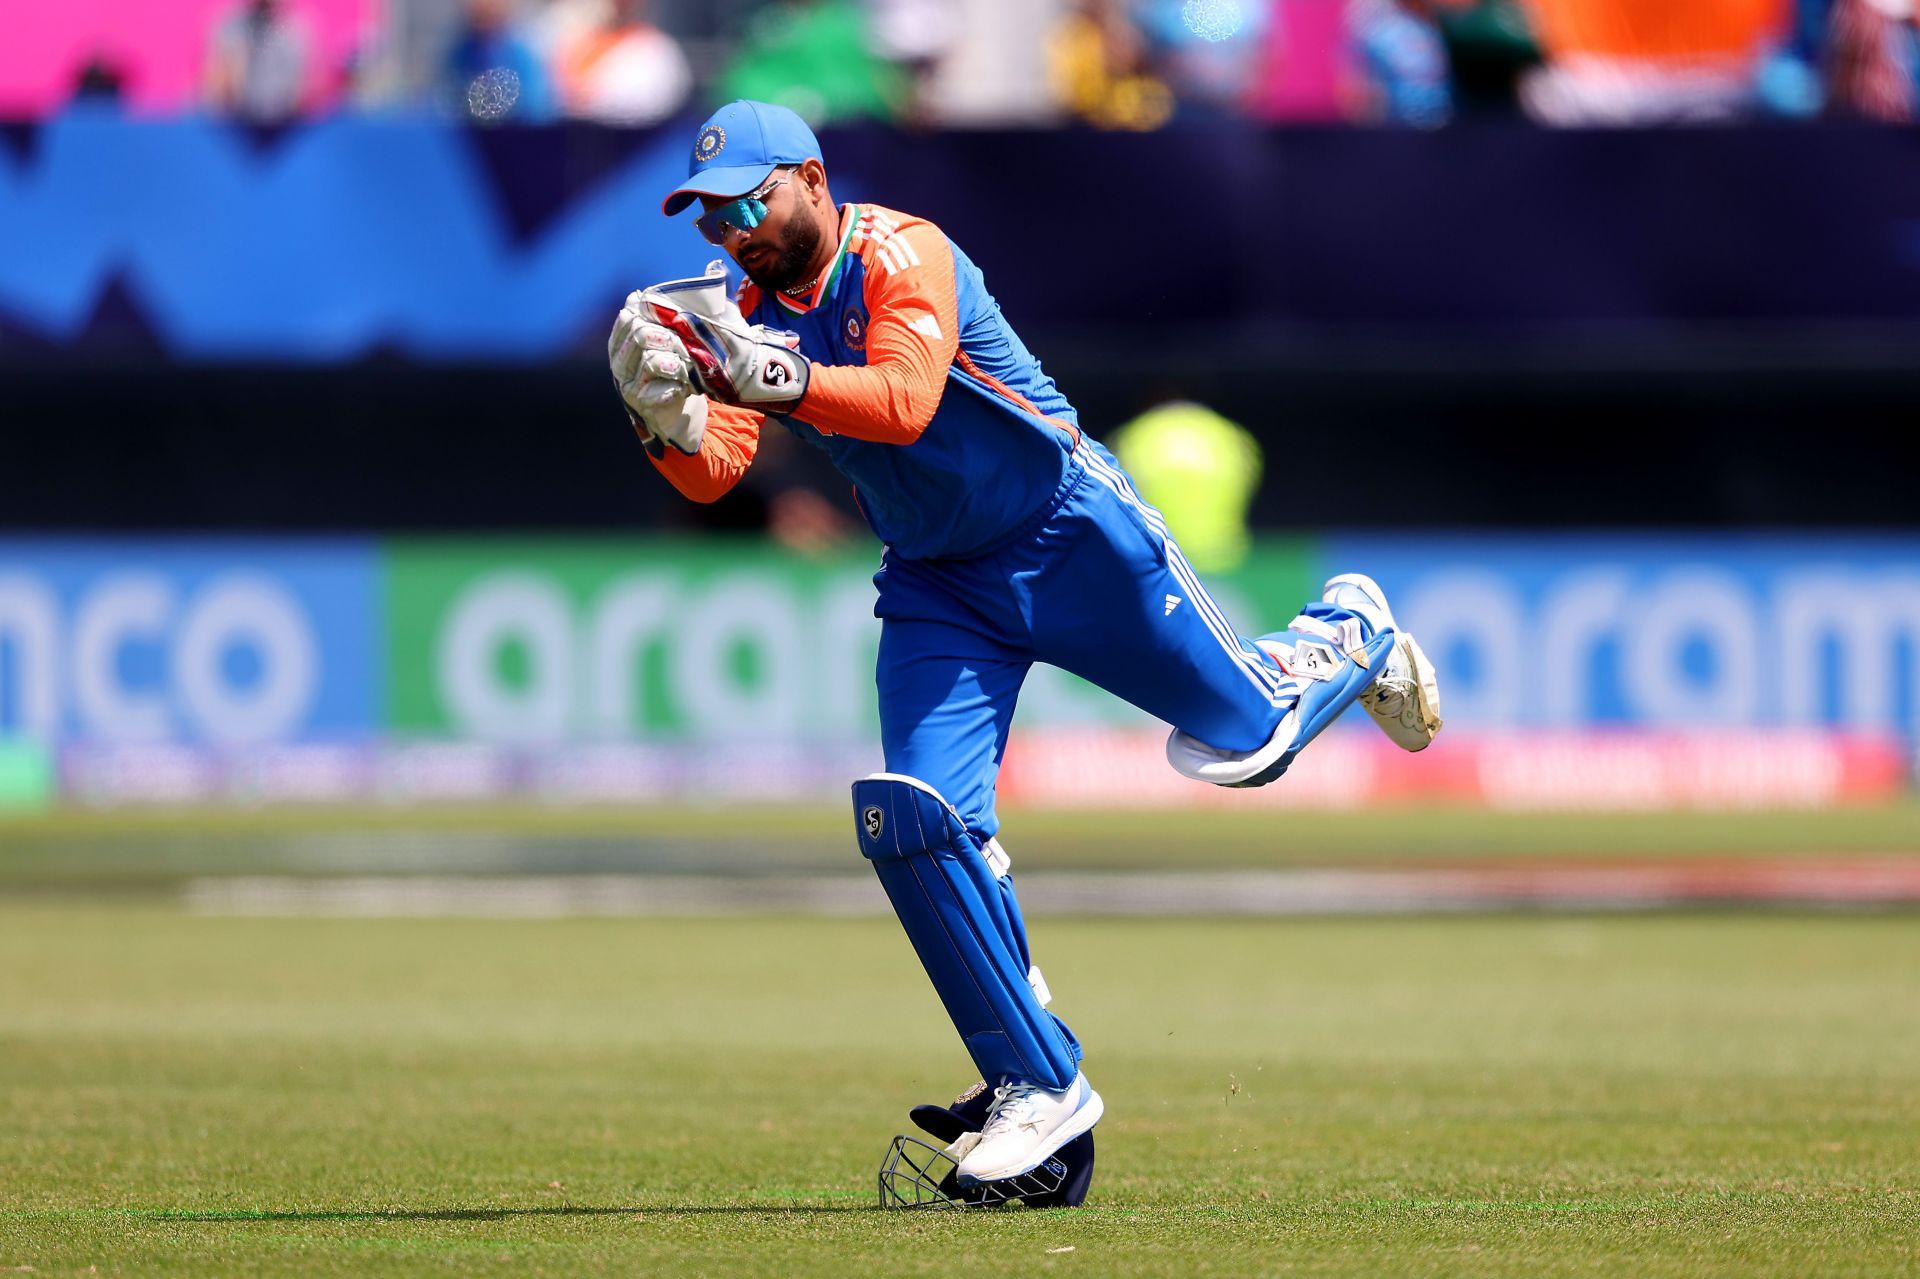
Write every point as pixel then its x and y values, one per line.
pixel 1682 438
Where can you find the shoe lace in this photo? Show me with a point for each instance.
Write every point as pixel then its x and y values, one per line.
pixel 1392 695
pixel 1391 699
pixel 1012 1105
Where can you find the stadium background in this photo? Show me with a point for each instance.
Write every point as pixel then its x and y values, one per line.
pixel 332 583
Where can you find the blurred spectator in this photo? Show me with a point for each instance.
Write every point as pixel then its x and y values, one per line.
pixel 1304 63
pixel 1403 62
pixel 1788 82
pixel 1640 62
pixel 813 57
pixel 257 64
pixel 1201 470
pixel 622 69
pixel 1120 64
pixel 100 82
pixel 1489 48
pixel 1097 57
pixel 913 35
pixel 491 71
pixel 1871 60
pixel 1207 51
pixel 994 69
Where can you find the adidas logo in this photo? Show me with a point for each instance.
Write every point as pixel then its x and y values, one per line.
pixel 1173 602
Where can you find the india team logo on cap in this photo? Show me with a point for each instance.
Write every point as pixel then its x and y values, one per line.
pixel 711 142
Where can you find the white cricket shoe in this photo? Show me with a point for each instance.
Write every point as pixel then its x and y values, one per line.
pixel 1025 1125
pixel 1404 699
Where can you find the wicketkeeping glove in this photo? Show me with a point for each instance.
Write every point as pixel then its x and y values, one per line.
pixel 732 361
pixel 651 368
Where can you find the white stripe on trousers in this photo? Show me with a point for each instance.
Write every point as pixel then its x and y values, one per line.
pixel 1118 481
pixel 1272 684
pixel 1181 567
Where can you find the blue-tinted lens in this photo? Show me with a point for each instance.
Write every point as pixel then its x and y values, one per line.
pixel 743 214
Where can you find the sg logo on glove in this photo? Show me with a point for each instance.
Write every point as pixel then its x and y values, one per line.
pixel 730 360
pixel 777 374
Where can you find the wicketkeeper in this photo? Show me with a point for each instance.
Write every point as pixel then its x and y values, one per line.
pixel 1011 538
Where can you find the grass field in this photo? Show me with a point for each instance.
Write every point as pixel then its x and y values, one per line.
pixel 127 851
pixel 1524 1096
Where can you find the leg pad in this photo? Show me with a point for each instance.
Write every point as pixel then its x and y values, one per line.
pixel 959 911
pixel 1332 664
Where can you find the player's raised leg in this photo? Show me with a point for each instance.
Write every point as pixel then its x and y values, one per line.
pixel 1118 604
pixel 1333 656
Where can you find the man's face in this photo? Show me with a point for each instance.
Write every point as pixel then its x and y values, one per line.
pixel 776 254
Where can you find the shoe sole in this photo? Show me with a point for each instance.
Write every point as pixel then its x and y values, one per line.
pixel 1426 702
pixel 1079 1122
pixel 1426 689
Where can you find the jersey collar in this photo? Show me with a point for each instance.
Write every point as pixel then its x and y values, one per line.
pixel 849 219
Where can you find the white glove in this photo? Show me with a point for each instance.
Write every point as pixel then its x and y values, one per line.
pixel 673 414
pixel 651 369
pixel 732 361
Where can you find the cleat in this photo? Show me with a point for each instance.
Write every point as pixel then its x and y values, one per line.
pixel 1404 699
pixel 1025 1125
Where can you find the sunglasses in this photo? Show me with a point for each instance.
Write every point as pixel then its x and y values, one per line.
pixel 743 214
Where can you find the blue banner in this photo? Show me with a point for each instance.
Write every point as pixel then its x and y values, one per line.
pixel 345 237
pixel 1660 630
pixel 215 642
pixel 351 236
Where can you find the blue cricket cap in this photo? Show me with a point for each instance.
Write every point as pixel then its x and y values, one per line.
pixel 738 146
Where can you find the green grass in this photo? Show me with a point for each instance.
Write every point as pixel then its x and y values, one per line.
pixel 134 849
pixel 1652 1096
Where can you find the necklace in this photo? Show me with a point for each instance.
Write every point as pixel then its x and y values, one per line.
pixel 803 289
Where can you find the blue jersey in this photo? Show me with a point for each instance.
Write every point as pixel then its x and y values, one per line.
pixel 901 301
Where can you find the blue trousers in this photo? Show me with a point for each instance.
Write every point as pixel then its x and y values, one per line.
pixel 1094 586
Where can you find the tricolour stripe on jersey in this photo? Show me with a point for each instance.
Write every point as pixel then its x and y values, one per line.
pixel 852 217
pixel 1272 684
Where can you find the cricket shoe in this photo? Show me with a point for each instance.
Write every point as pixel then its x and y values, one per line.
pixel 1404 699
pixel 1025 1125
pixel 1059 1181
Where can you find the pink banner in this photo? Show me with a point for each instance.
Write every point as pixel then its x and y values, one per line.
pixel 1619 770
pixel 158 46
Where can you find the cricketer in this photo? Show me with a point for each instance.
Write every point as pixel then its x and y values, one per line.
pixel 1011 537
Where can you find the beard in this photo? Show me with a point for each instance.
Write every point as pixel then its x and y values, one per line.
pixel 790 261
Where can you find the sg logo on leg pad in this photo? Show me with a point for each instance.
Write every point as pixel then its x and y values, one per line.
pixel 1305 659
pixel 873 820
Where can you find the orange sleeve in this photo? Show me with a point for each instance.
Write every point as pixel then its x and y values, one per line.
pixel 726 449
pixel 913 333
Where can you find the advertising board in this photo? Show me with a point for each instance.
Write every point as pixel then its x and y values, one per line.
pixel 1599 672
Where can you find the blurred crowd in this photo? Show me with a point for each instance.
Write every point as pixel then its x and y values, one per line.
pixel 1117 64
